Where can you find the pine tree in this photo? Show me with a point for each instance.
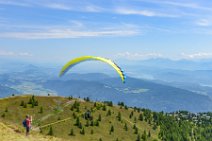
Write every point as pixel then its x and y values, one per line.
pixel 149 134
pixel 87 99
pixel 100 117
pixel 125 127
pixel 70 98
pixel 92 123
pixel 3 115
pixel 80 125
pixel 87 123
pixel 131 114
pixel 50 131
pixel 135 119
pixel 108 113
pixel 111 129
pixel 76 104
pixel 25 105
pixel 95 104
pixel 136 130
pixel 104 108
pixel 134 126
pixel 74 115
pixel 138 138
pixel 72 132
pixel 41 110
pixel 144 136
pixel 141 118
pixel 125 107
pixel 6 109
pixel 154 127
pixel 22 103
pixel 82 131
pixel 119 116
pixel 91 131
pixel 97 123
pixel 33 105
pixel 77 121
pixel 78 110
pixel 33 98
pixel 30 101
pixel 36 103
pixel 72 108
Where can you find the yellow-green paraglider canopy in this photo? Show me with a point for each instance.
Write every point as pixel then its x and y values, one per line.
pixel 75 61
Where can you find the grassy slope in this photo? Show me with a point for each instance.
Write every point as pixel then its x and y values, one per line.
pixel 16 114
pixel 11 133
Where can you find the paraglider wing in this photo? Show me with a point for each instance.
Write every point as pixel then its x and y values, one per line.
pixel 75 61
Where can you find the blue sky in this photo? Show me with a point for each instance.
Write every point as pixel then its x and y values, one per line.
pixel 58 30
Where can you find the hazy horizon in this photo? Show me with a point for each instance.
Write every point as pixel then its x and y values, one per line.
pixel 56 31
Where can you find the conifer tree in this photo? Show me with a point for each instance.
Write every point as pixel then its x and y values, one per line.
pixel 125 127
pixel 3 115
pixel 141 118
pixel 149 134
pixel 138 138
pixel 72 132
pixel 100 117
pixel 25 105
pixel 77 121
pixel 50 131
pixel 104 108
pixel 111 129
pixel 91 131
pixel 108 113
pixel 144 136
pixel 82 131
pixel 97 123
pixel 41 110
pixel 136 130
pixel 131 114
pixel 87 123
pixel 119 116
pixel 22 103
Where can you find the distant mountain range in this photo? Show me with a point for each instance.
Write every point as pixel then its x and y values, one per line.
pixel 174 85
pixel 135 92
pixel 6 91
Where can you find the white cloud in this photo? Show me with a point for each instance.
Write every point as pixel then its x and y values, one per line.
pixel 93 8
pixel 76 24
pixel 10 53
pixel 14 3
pixel 70 32
pixel 155 55
pixel 135 12
pixel 148 13
pixel 59 6
pixel 182 4
pixel 203 22
pixel 198 55
pixel 138 56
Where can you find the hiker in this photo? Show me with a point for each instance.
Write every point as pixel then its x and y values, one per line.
pixel 27 124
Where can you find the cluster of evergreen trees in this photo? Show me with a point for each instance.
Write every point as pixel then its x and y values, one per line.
pixel 32 101
pixel 173 126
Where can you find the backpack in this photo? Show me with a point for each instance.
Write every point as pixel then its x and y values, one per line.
pixel 24 123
